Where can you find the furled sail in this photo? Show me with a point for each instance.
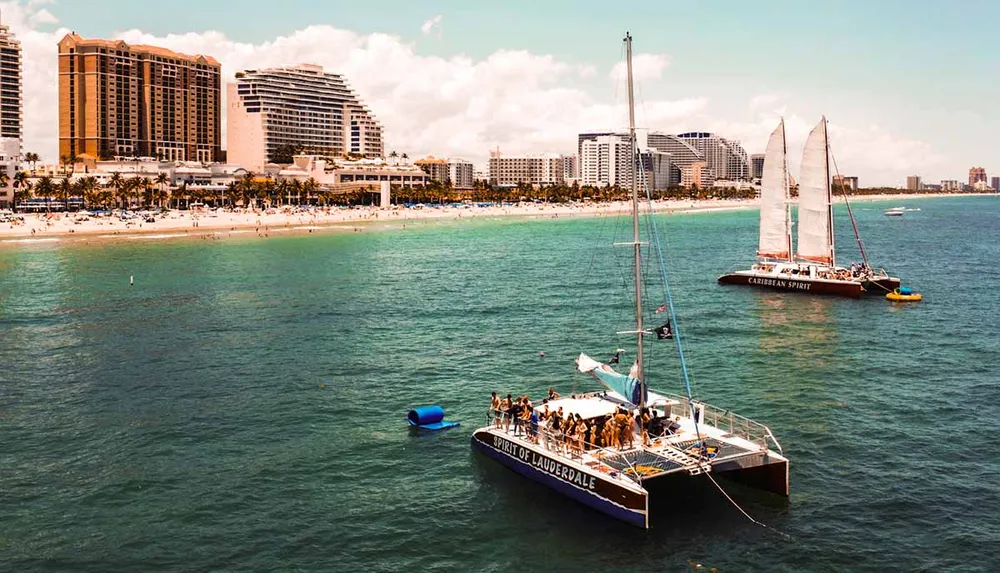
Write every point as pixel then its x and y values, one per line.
pixel 775 240
pixel 815 232
pixel 627 387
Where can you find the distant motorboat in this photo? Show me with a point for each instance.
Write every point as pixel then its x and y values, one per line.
pixel 895 212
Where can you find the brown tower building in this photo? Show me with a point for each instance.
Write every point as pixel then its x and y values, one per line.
pixel 977 174
pixel 122 100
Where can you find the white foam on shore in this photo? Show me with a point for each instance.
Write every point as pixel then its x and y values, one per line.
pixel 164 236
pixel 42 240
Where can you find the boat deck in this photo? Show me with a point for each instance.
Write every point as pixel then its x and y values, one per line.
pixel 668 454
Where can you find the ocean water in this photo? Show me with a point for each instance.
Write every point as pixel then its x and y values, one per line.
pixel 242 406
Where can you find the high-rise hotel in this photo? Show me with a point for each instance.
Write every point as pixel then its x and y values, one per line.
pixel 10 85
pixel 299 107
pixel 122 100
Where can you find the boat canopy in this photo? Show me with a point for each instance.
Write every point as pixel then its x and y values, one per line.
pixel 628 387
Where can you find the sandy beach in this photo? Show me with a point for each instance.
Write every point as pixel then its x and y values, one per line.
pixel 221 222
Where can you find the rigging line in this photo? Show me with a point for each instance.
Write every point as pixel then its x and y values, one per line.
pixel 673 316
pixel 747 515
pixel 843 189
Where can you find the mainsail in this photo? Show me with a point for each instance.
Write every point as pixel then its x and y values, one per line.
pixel 815 203
pixel 628 387
pixel 775 239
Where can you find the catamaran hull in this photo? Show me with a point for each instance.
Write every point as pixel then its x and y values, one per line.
pixel 804 285
pixel 882 286
pixel 593 490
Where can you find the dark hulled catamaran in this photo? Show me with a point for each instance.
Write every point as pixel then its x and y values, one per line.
pixel 813 269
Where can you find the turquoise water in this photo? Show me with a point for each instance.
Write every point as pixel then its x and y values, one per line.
pixel 242 406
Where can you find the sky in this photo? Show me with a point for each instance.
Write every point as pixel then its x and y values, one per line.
pixel 908 86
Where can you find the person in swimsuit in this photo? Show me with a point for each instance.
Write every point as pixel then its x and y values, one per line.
pixel 553 395
pixel 495 409
pixel 505 405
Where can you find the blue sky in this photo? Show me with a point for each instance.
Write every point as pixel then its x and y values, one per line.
pixel 914 69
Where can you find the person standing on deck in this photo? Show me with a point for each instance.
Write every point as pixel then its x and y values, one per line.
pixel 495 409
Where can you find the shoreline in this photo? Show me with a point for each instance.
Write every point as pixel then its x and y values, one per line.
pixel 59 227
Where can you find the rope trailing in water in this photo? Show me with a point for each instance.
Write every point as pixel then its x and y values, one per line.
pixel 747 515
pixel 680 352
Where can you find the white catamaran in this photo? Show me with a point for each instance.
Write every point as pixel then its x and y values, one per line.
pixel 813 269
pixel 624 439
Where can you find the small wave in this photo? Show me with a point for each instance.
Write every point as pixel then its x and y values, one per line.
pixel 153 237
pixel 45 240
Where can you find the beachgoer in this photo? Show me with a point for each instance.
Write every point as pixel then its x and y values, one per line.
pixel 553 395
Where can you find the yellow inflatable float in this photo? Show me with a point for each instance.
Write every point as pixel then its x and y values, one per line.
pixel 904 294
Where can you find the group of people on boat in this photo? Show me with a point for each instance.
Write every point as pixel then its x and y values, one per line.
pixel 856 272
pixel 572 434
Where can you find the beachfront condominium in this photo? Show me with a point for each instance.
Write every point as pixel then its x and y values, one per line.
pixel 121 100
pixel 10 85
pixel 756 166
pixel 299 108
pixel 606 160
pixel 976 174
pixel 844 183
pixel 726 158
pixel 456 172
pixel 913 183
pixel 508 170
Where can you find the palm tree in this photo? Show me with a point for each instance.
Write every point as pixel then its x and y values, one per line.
pixel 65 188
pixel 32 158
pixel 22 192
pixel 43 188
pixel 161 181
pixel 146 184
pixel 310 186
pixel 117 183
pixel 86 188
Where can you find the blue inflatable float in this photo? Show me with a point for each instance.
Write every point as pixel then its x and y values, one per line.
pixel 428 418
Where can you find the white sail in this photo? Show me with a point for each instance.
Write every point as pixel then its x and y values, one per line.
pixel 815 232
pixel 774 236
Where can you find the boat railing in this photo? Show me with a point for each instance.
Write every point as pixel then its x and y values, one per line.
pixel 555 443
pixel 734 424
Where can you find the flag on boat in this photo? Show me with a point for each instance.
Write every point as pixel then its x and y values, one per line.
pixel 664 331
pixel 661 309
pixel 616 357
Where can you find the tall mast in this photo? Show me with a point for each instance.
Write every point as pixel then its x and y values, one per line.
pixel 635 221
pixel 788 192
pixel 829 192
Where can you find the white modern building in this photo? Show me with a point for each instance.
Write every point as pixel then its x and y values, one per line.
pixel 756 166
pixel 10 164
pixel 300 107
pixel 457 172
pixel 366 172
pixel 571 167
pixel 606 160
pixel 535 169
pixel 10 85
pixel 460 173
pixel 726 158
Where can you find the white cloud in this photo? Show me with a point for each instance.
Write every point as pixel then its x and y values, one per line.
pixel 429 25
pixel 463 106
pixel 645 67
